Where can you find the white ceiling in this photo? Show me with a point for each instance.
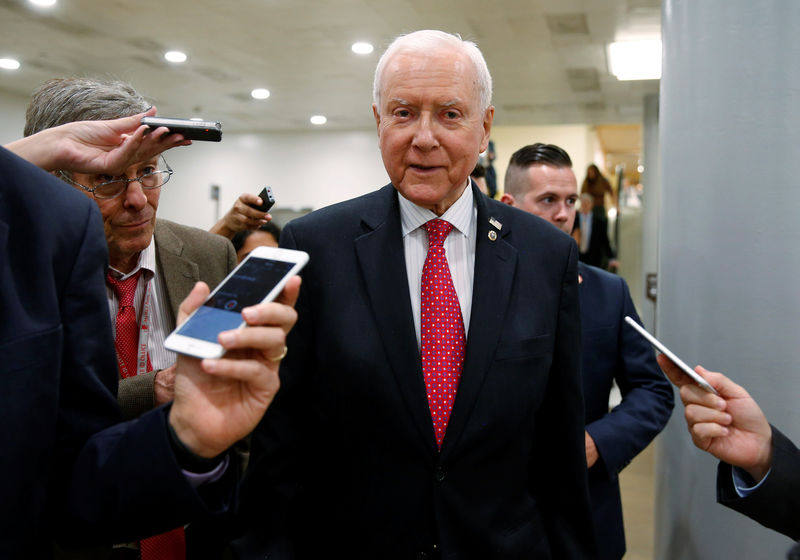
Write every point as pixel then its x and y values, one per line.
pixel 547 57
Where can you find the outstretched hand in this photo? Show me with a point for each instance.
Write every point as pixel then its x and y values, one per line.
pixel 730 426
pixel 220 401
pixel 107 147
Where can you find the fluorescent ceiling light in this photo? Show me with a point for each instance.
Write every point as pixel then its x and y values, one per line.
pixel 635 60
pixel 319 119
pixel 260 93
pixel 43 3
pixel 175 56
pixel 9 64
pixel 362 48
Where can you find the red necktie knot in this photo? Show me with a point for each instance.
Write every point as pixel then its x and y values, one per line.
pixel 125 290
pixel 438 231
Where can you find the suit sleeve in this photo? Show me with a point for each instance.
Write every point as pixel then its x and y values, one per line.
pixel 776 503
pixel 647 397
pixel 559 467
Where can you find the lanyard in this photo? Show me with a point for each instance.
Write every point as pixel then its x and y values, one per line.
pixel 142 360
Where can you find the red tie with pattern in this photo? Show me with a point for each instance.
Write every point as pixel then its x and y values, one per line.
pixel 442 330
pixel 170 545
pixel 126 338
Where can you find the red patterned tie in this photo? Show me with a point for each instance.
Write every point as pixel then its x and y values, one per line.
pixel 166 546
pixel 442 330
pixel 126 338
pixel 170 545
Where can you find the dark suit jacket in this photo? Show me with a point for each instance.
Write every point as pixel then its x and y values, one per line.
pixel 776 503
pixel 350 437
pixel 60 474
pixel 185 256
pixel 613 351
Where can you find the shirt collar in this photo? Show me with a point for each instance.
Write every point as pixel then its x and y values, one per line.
pixel 460 214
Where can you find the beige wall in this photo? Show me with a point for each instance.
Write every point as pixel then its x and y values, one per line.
pixel 580 142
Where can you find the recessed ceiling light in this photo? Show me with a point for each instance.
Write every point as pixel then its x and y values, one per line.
pixel 9 64
pixel 318 119
pixel 175 56
pixel 43 3
pixel 362 48
pixel 260 93
pixel 635 60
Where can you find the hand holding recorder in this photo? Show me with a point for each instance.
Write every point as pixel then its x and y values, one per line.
pixel 95 146
pixel 219 401
pixel 250 211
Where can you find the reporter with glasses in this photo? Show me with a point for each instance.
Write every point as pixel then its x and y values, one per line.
pixel 153 263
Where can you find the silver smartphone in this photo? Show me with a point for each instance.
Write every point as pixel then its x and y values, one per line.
pixel 669 354
pixel 259 278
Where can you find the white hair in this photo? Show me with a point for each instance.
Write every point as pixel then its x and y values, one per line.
pixel 424 42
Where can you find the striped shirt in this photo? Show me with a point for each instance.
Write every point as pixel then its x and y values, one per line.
pixel 459 248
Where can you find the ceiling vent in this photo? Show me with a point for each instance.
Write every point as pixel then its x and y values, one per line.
pixel 583 79
pixel 567 24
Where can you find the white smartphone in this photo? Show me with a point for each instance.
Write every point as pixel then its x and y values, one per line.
pixel 669 354
pixel 259 278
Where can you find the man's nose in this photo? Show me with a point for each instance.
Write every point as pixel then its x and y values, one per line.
pixel 134 196
pixel 425 133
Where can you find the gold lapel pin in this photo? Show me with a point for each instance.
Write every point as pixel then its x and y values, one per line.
pixel 492 235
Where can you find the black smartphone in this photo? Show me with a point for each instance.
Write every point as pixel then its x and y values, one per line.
pixel 210 131
pixel 267 199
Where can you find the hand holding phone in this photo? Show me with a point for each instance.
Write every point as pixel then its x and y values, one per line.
pixel 669 354
pixel 259 278
pixel 210 131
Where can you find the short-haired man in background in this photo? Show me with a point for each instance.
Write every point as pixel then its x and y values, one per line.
pixel 539 179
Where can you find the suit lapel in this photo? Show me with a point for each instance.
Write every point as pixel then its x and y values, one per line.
pixel 179 273
pixel 382 263
pixel 495 264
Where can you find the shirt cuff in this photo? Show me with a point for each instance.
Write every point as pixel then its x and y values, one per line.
pixel 198 479
pixel 743 483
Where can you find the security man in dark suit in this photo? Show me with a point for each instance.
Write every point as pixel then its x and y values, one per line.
pixel 539 179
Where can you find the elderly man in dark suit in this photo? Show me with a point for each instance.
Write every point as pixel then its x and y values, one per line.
pixel 71 471
pixel 539 179
pixel 431 401
pixel 167 257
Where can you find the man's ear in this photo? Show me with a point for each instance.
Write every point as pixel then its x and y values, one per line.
pixel 509 199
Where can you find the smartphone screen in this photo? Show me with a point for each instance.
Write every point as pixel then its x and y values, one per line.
pixel 223 310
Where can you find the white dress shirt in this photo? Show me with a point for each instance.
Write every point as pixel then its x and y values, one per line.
pixel 459 249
